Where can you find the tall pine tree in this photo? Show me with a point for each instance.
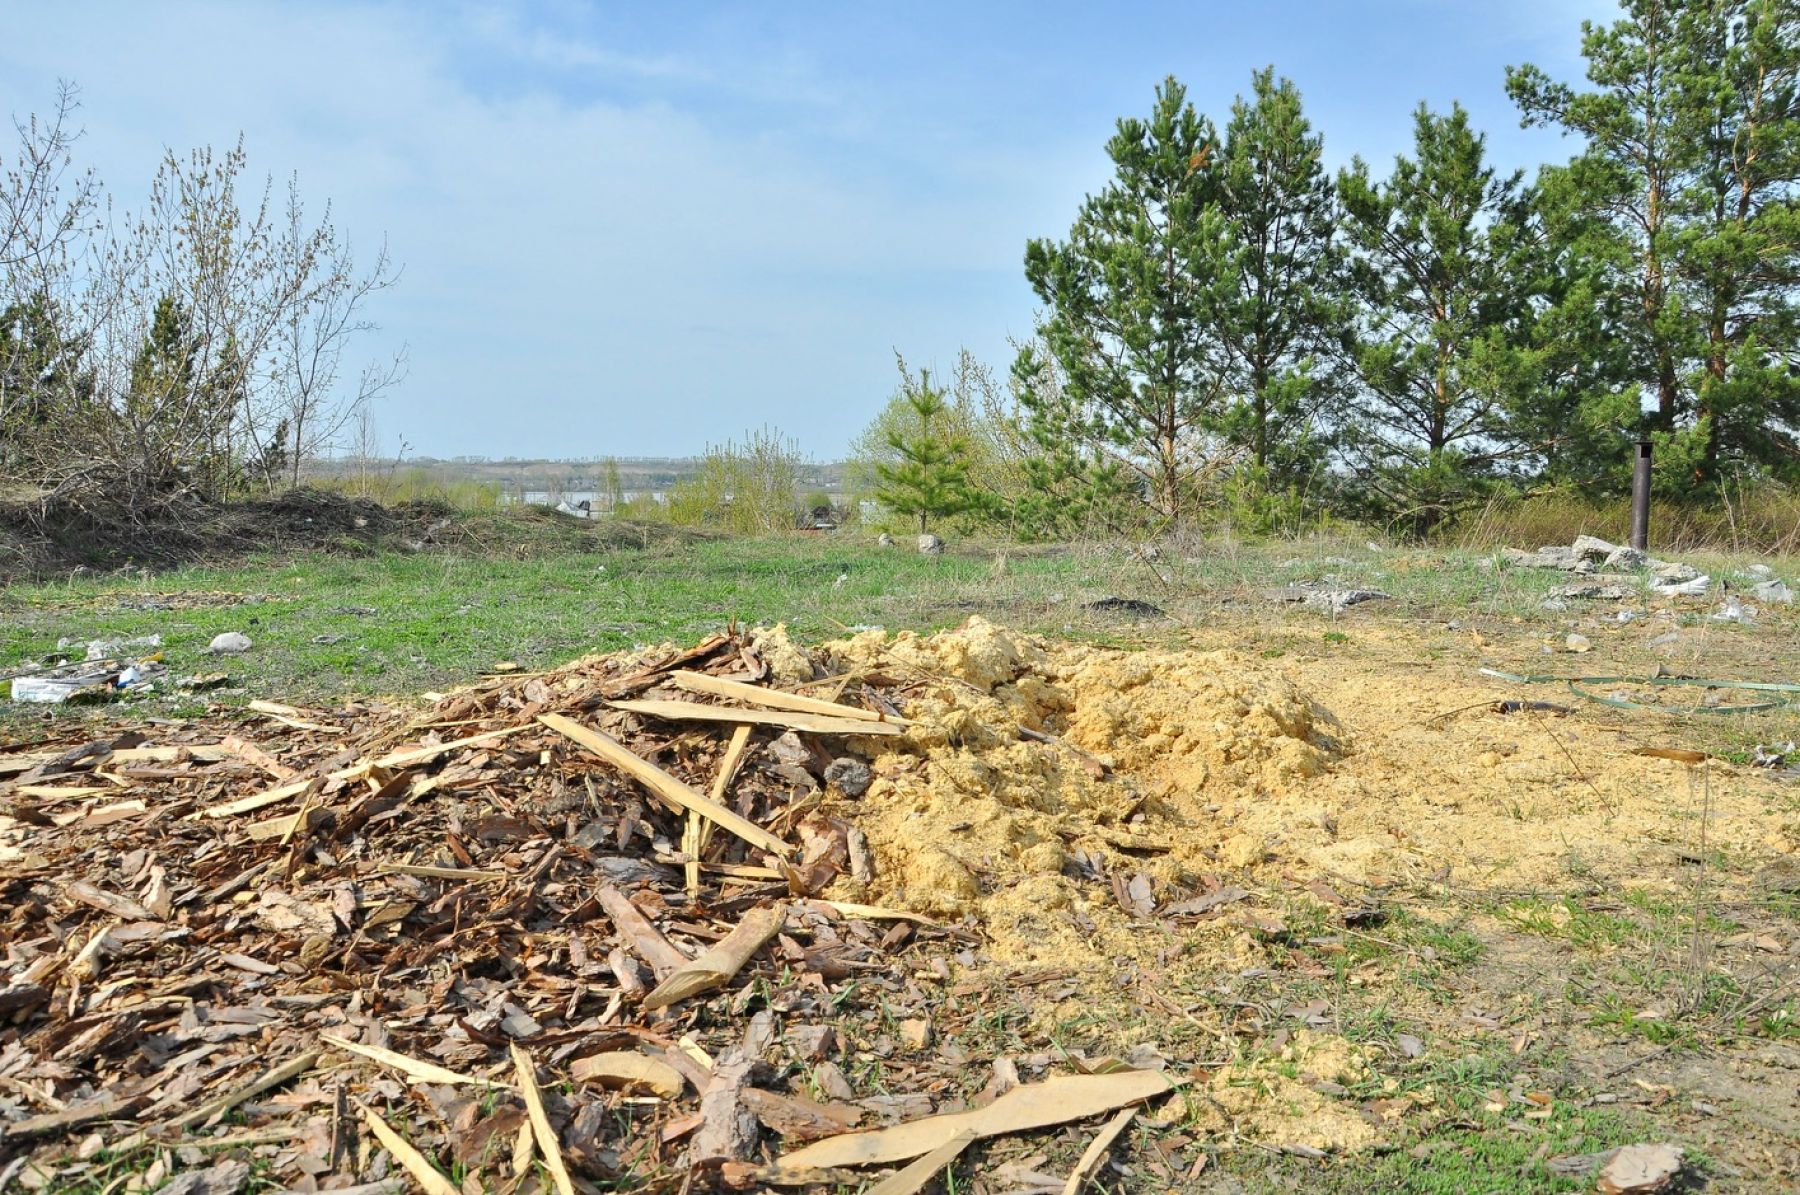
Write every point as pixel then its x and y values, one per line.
pixel 1283 321
pixel 1689 170
pixel 1442 298
pixel 1133 298
pixel 1737 248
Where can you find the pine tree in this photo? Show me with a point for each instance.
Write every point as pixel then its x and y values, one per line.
pixel 44 379
pixel 1133 297
pixel 1689 171
pixel 929 477
pixel 1737 245
pixel 1282 324
pixel 1442 297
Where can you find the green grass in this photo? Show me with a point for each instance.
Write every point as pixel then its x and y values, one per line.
pixel 328 626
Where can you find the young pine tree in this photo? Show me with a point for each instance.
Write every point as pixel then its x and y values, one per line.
pixel 1690 171
pixel 929 476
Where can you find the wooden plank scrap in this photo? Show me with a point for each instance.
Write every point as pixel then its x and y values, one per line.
pixel 356 771
pixel 428 872
pixel 423 1172
pixel 726 958
pixel 718 686
pixel 913 1177
pixel 663 784
pixel 1095 1153
pixel 275 1077
pixel 105 1108
pixel 414 1068
pixel 693 711
pixel 698 831
pixel 1030 1106
pixel 628 1069
pixel 540 1121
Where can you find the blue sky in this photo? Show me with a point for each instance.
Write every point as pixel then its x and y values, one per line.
pixel 634 229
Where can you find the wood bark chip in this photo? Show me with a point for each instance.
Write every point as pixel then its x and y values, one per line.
pixel 122 907
pixel 643 938
pixel 716 967
pixel 727 1128
pixel 798 1119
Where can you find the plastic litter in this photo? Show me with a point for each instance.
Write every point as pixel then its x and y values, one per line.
pixel 1696 587
pixel 1772 591
pixel 1783 695
pixel 1734 611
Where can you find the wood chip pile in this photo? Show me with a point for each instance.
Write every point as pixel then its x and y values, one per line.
pixel 556 932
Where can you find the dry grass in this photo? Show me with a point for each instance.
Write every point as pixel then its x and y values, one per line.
pixel 391 487
pixel 1764 519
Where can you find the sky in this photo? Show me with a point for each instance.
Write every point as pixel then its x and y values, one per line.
pixel 636 229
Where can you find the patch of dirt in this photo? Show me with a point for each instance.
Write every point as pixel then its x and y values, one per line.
pixel 35 545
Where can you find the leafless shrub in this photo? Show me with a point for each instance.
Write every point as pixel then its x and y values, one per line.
pixel 158 361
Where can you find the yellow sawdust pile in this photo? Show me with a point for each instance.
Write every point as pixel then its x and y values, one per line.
pixel 968 816
pixel 1222 767
pixel 1284 1097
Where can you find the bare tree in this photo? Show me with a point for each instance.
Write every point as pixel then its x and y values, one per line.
pixel 177 354
pixel 45 208
pixel 312 341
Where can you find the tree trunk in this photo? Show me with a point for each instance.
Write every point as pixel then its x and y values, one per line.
pixel 1260 380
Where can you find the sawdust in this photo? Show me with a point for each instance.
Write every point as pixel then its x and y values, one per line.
pixel 1289 1098
pixel 788 662
pixel 1227 768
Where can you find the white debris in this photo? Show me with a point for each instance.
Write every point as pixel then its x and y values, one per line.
pixel 230 643
pixel 1773 591
pixel 1694 587
pixel 1733 611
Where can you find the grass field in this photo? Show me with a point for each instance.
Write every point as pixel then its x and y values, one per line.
pixel 1567 970
pixel 395 624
